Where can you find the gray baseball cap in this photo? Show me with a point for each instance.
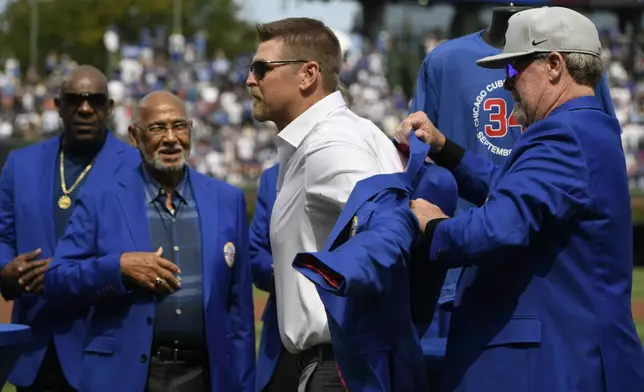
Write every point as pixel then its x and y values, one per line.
pixel 545 30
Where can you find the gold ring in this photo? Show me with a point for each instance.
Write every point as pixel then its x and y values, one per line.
pixel 158 281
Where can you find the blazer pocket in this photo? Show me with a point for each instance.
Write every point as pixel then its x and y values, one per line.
pixel 104 345
pixel 518 331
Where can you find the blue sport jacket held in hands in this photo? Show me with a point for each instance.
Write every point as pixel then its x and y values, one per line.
pixel 363 279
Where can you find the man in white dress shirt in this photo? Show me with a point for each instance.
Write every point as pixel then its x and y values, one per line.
pixel 324 149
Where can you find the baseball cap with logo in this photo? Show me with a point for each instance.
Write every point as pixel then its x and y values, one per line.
pixel 545 30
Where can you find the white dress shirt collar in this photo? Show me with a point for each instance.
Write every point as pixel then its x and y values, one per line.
pixel 297 130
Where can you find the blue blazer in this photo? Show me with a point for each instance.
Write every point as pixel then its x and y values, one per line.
pixel 544 302
pixel 449 104
pixel 86 268
pixel 363 277
pixel 261 264
pixel 27 223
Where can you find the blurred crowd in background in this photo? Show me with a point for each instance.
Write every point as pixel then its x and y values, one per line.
pixel 228 144
pixel 627 91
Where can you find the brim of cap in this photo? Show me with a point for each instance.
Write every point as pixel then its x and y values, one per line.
pixel 500 60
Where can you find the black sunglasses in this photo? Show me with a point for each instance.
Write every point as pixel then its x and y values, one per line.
pixel 261 68
pixel 95 100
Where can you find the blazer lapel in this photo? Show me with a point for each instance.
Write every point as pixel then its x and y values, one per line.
pixel 363 191
pixel 418 154
pixel 206 201
pixel 107 162
pixel 369 187
pixel 48 166
pixel 131 200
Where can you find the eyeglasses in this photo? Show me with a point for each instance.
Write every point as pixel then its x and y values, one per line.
pixel 178 127
pixel 95 100
pixel 261 68
pixel 512 69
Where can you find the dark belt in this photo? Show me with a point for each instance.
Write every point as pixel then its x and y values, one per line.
pixel 196 357
pixel 319 353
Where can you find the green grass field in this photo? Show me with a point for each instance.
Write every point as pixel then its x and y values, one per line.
pixel 638 301
pixel 638 310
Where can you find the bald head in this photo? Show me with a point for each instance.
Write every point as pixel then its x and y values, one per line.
pixel 155 100
pixel 83 75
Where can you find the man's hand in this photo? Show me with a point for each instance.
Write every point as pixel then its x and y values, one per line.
pixel 32 275
pixel 423 128
pixel 150 271
pixel 12 273
pixel 425 212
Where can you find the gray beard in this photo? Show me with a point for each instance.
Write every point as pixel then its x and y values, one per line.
pixel 156 163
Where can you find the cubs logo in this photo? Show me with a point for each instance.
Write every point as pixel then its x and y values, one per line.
pixel 354 227
pixel 492 114
pixel 229 254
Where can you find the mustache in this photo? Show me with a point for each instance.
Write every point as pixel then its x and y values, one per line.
pixel 170 149
pixel 255 94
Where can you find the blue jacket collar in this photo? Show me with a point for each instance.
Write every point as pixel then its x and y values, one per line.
pixel 587 102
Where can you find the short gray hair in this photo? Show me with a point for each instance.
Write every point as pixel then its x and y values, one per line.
pixel 585 69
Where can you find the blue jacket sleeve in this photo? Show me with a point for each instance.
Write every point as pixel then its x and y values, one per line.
pixel 473 176
pixel 365 263
pixel 241 312
pixel 426 96
pixel 77 272
pixel 7 219
pixel 261 259
pixel 602 92
pixel 547 184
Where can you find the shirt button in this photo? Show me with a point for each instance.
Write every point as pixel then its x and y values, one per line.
pixel 176 248
pixel 162 191
pixel 178 311
pixel 144 358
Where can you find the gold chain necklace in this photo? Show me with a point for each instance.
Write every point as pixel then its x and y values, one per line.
pixel 65 201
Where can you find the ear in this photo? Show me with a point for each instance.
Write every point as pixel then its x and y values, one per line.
pixel 110 106
pixel 309 74
pixel 131 131
pixel 556 66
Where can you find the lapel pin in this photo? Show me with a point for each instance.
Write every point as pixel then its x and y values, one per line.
pixel 354 226
pixel 229 254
